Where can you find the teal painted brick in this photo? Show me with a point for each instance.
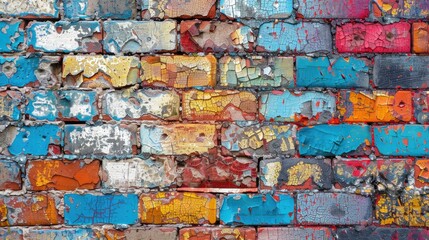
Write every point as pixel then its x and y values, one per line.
pixel 12 37
pixel 256 8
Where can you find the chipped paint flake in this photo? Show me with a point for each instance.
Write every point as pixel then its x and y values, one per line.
pixel 409 9
pixel 421 173
pixel 12 39
pixel 30 9
pixel 69 233
pixel 256 9
pixel 10 105
pixel 377 232
pixel 104 9
pixel 10 175
pixel 211 233
pixel 279 233
pixel 178 9
pixel 334 9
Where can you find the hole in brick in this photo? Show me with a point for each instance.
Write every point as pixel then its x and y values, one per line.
pixel 164 136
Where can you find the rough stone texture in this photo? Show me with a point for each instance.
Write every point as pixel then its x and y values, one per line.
pixel 421 173
pixel 10 175
pixel 376 106
pixel 10 105
pixel 176 208
pixel 100 71
pixel 159 233
pixel 30 9
pixel 333 209
pixel 373 37
pixel 176 139
pixel 70 233
pixel 303 107
pixel 95 9
pixel 304 37
pixel 334 9
pixel 407 9
pixel 382 233
pixel 420 37
pixel 12 39
pixel 139 36
pixel 179 71
pixel 278 233
pixel 178 9
pixel 63 36
pixel 139 173
pixel 213 233
pixel 254 139
pixel 44 175
pixel 206 36
pixel 144 104
pixel 256 9
pixel 257 209
pixel 295 174
pixel 256 71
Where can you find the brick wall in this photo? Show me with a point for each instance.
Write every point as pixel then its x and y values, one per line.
pixel 229 119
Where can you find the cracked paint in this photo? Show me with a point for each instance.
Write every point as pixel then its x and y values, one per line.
pixel 304 107
pixel 176 139
pixel 30 9
pixel 177 208
pixel 88 209
pixel 12 39
pixel 373 38
pixel 336 72
pixel 304 37
pixel 295 174
pixel 58 234
pixel 152 172
pixel 257 209
pixel 206 36
pixel 42 175
pixel 66 37
pixel 95 9
pixel 421 173
pixel 409 9
pixel 333 9
pixel 376 106
pixel 178 9
pixel 158 233
pixel 256 71
pixel 279 233
pixel 256 8
pixel 420 33
pixel 139 36
pixel 142 104
pixel 253 139
pixel 11 233
pixel 10 105
pixel 385 233
pixel 333 209
pixel 219 105
pixel 214 233
pixel 179 71
pixel 10 175
pixel 334 140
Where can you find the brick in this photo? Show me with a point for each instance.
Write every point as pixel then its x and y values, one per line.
pixel 10 175
pixel 420 37
pixel 36 140
pixel 401 140
pixel 63 105
pixel 376 106
pixel 259 139
pixel 29 210
pixel 206 36
pixel 151 172
pixel 407 209
pixel 42 175
pixel 100 71
pixel 332 140
pixel 63 36
pixel 10 105
pixel 387 173
pixel 386 233
pixel 373 38
pixel 144 104
pixel 217 171
pixel 177 208
pixel 63 233
pixel 100 140
pixel 30 70
pixel 256 71
pixel 213 233
pixel 86 209
pixel 179 71
pixel 178 138
pixel 333 9
pixel 421 106
pixel 304 37
pixel 421 173
pixel 278 233
pixel 336 72
pixel 159 233
pixel 219 105
pixel 178 9
pixel 333 209
pixel 123 36
pixel 95 9
pixel 402 9
pixel 30 9
pixel 12 39
pixel 303 107
pixel 256 9
pixel 11 234
pixel 295 173
pixel 401 71
pixel 257 209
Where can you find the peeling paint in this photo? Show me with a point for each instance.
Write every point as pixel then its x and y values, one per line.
pixel 420 37
pixel 334 9
pixel 94 9
pixel 279 233
pixel 58 234
pixel 10 175
pixel 213 233
pixel 178 9
pixel 10 105
pixel 385 233
pixel 256 9
pixel 30 9
pixel 421 173
pixel 12 39
pixel 409 9
pixel 11 234
pixel 158 233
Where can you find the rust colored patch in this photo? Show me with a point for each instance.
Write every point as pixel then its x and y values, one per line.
pixel 420 33
pixel 213 233
pixel 421 173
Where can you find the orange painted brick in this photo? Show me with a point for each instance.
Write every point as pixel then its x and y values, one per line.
pixel 176 208
pixel 420 32
pixel 62 175
pixel 377 106
pixel 179 71
pixel 421 173
pixel 214 233
pixel 218 105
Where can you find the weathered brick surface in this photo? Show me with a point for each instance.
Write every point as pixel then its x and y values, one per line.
pixel 421 106
pixel 421 173
pixel 161 233
pixel 420 37
pixel 10 105
pixel 94 9
pixel 373 232
pixel 256 9
pixel 334 9
pixel 66 233
pixel 212 233
pixel 403 9
pixel 278 233
pixel 12 39
pixel 11 234
pixel 30 9
pixel 178 9
pixel 10 175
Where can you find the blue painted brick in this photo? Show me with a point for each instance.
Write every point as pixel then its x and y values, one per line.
pixel 256 8
pixel 332 140
pixel 11 233
pixel 60 234
pixel 257 209
pixel 91 209
pixel 12 36
pixel 10 105
pixel 92 9
pixel 18 71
